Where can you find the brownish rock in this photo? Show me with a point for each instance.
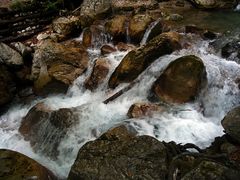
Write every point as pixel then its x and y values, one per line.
pixel 55 65
pixel 125 47
pixel 107 49
pixel 181 81
pixel 18 166
pixel 137 26
pixel 136 61
pixel 139 110
pixel 66 25
pixel 116 27
pixel 98 75
pixel 87 37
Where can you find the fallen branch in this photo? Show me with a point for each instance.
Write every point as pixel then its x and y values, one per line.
pixel 119 93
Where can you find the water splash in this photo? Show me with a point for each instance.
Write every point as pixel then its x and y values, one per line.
pixel 197 122
pixel 148 31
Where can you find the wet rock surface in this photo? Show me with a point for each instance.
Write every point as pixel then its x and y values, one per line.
pixel 45 128
pixel 181 81
pixel 231 123
pixel 56 65
pixel 140 110
pixel 136 61
pixel 14 165
pixel 112 156
pixel 98 75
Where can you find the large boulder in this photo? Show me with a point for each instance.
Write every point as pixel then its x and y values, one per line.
pixel 10 56
pixel 231 123
pixel 98 75
pixel 45 127
pixel 56 66
pixel 129 5
pixel 116 27
pixel 7 85
pixel 137 26
pixel 181 81
pixel 215 4
pixel 14 165
pixel 136 61
pixel 119 154
pixel 66 25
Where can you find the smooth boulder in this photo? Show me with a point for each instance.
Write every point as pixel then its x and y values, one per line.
pixel 181 81
pixel 119 154
pixel 136 61
pixel 231 124
pixel 14 165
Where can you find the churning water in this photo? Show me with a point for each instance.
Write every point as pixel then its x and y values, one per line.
pixel 197 122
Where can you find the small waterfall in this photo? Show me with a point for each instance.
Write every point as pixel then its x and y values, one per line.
pixel 148 31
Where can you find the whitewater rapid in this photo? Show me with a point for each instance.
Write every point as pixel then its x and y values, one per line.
pixel 197 122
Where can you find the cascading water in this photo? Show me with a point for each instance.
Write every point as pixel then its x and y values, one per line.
pixel 197 122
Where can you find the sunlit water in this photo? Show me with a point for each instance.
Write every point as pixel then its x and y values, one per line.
pixel 197 122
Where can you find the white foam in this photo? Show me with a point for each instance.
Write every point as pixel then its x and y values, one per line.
pixel 184 124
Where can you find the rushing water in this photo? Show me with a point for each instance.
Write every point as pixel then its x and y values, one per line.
pixel 197 122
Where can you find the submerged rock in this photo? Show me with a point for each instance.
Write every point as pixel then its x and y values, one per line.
pixel 136 61
pixel 181 81
pixel 56 66
pixel 139 110
pixel 231 124
pixel 215 4
pixel 98 75
pixel 9 56
pixel 14 165
pixel 119 154
pixel 45 128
